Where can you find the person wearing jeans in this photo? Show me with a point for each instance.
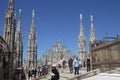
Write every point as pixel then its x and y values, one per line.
pixel 76 65
pixel 70 64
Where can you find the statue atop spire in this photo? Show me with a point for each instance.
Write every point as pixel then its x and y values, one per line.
pixel 81 26
pixel 11 0
pixel 33 13
pixel 19 21
pixel 91 18
pixel 11 5
pixel 81 18
pixel 20 12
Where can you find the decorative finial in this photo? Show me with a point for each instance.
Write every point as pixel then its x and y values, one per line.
pixel 20 12
pixel 80 16
pixel 81 19
pixel 10 0
pixel 91 17
pixel 33 13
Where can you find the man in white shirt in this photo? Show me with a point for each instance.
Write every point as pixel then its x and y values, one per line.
pixel 76 65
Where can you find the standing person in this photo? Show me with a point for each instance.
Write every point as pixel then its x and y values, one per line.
pixel 46 67
pixel 41 71
pixel 44 71
pixel 61 64
pixel 76 65
pixel 38 70
pixel 35 72
pixel 88 64
pixel 70 64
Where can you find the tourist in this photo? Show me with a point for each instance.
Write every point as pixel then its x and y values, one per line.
pixel 46 67
pixel 88 64
pixel 76 65
pixel 40 71
pixel 64 64
pixel 70 65
pixel 44 71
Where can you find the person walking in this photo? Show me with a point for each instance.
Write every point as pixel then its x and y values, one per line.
pixel 70 65
pixel 76 65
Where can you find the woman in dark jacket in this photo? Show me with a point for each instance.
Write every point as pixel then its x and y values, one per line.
pixel 56 74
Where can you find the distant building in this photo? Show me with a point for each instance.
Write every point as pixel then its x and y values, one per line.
pixel 58 52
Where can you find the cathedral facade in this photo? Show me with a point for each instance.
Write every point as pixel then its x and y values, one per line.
pixel 59 51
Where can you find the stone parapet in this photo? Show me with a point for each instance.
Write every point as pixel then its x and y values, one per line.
pixel 85 75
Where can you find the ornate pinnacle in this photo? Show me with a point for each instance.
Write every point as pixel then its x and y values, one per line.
pixel 81 18
pixel 10 0
pixel 91 17
pixel 33 13
pixel 20 12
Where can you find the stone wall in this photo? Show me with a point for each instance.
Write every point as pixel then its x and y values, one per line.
pixel 106 56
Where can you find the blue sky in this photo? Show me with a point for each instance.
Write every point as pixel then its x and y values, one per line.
pixel 59 20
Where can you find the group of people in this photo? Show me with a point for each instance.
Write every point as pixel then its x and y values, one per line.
pixel 62 63
pixel 76 64
pixel 41 71
pixel 32 73
pixel 73 64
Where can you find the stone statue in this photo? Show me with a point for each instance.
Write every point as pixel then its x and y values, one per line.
pixel 20 12
pixel 80 16
pixel 91 18
pixel 33 13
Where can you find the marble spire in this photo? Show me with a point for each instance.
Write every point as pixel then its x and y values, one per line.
pixel 19 43
pixel 92 31
pixel 9 37
pixel 32 46
pixel 9 27
pixel 81 26
pixel 82 42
